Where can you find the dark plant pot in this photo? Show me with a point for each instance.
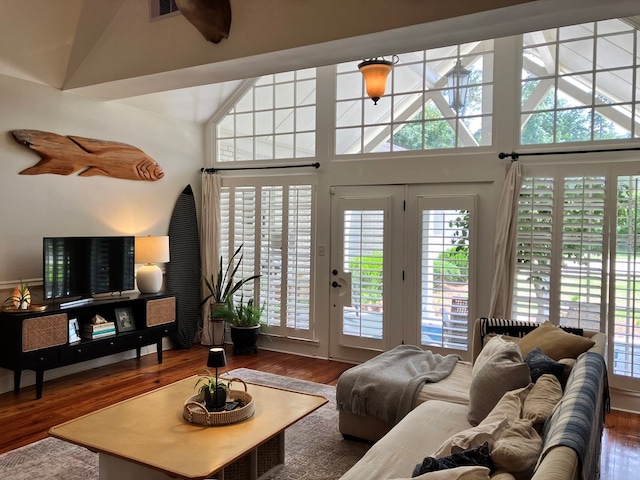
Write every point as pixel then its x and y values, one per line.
pixel 216 399
pixel 244 339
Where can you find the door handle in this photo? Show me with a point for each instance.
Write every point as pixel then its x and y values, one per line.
pixel 335 284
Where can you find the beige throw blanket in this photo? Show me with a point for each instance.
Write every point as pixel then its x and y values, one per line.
pixel 387 385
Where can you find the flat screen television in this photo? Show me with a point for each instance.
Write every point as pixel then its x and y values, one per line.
pixel 86 266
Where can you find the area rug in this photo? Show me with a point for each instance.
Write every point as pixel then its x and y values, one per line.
pixel 314 448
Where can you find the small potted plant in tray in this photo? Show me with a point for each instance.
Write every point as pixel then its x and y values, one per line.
pixel 213 390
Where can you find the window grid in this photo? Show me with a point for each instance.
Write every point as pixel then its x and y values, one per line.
pixel 579 84
pixel 274 119
pixel 415 113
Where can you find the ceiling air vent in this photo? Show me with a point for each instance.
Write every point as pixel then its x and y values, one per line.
pixel 162 9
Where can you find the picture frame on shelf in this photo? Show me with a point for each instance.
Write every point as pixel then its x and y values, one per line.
pixel 74 330
pixel 124 320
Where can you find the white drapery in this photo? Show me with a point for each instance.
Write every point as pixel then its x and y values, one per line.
pixel 209 242
pixel 504 251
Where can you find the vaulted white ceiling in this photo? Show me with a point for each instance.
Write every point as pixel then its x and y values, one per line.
pixel 110 50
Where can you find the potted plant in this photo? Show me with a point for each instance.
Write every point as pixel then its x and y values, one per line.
pixel 213 390
pixel 245 326
pixel 221 288
pixel 20 297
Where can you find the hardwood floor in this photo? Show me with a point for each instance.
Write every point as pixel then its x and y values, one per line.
pixel 23 419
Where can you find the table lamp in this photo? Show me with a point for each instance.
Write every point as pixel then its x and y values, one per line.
pixel 149 251
pixel 216 359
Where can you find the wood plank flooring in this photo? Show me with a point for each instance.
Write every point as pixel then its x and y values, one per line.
pixel 23 419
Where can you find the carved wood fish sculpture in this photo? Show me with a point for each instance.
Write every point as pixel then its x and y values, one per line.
pixel 64 155
pixel 212 18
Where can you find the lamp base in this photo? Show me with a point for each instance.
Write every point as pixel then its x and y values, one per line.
pixel 149 278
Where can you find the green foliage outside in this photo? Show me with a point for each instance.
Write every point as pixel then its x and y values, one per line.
pixel 557 122
pixel 451 266
pixel 366 277
pixel 438 131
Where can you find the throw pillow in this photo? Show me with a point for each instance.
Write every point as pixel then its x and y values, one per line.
pixel 509 406
pixel 478 456
pixel 541 401
pixel 568 363
pixel 555 342
pixel 517 450
pixel 507 338
pixel 541 364
pixel 501 372
pixel 495 345
pixel 487 433
pixel 508 409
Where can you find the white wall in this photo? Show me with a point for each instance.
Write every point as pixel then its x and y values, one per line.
pixel 32 207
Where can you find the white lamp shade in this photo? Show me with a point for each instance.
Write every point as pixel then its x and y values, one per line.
pixel 152 249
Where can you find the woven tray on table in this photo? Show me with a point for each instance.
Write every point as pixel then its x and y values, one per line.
pixel 195 411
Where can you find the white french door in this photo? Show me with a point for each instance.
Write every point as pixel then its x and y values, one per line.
pixel 366 259
pixel 397 275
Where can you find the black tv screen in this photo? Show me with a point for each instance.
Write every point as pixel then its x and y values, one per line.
pixel 85 266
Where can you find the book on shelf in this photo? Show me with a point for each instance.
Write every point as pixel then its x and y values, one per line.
pixel 93 335
pixel 101 327
pixel 91 331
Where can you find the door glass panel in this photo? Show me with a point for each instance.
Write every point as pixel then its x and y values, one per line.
pixel 445 278
pixel 363 260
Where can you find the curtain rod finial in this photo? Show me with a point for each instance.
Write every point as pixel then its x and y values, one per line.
pixel 514 156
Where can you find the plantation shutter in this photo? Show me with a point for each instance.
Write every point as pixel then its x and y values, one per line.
pixel 560 261
pixel 583 233
pixel 271 252
pixel 299 259
pixel 244 233
pixel 274 224
pixel 534 240
pixel 626 294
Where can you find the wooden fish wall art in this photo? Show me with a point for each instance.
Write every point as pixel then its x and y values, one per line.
pixel 212 18
pixel 64 155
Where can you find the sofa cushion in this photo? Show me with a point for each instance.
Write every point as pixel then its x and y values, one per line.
pixel 517 450
pixel 543 398
pixel 555 342
pixel 477 456
pixel 500 372
pixel 417 435
pixel 541 364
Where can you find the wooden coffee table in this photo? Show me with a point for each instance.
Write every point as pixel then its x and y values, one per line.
pixel 146 437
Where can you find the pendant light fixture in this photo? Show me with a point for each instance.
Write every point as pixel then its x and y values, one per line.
pixel 375 72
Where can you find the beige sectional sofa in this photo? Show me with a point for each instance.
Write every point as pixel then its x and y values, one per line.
pixel 442 412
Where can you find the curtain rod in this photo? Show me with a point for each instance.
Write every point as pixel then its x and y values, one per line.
pixel 515 155
pixel 228 169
